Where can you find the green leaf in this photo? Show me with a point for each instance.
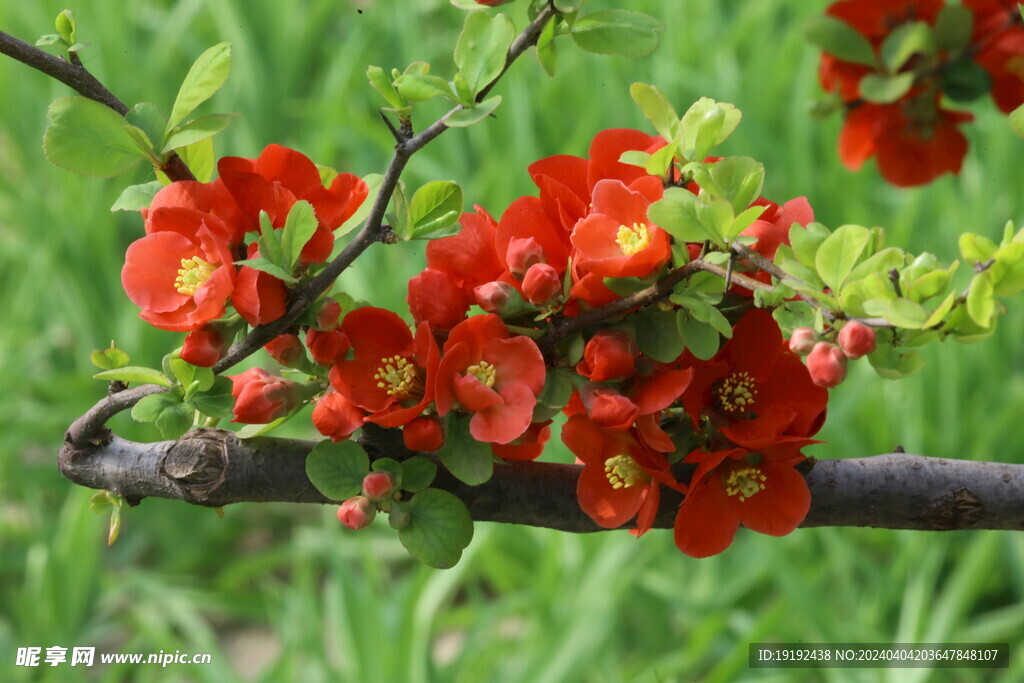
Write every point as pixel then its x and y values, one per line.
pixel 882 262
pixel 48 39
pixel 1008 269
pixel 208 73
pixel 418 473
pixel 839 39
pixel 261 264
pixel 676 214
pixel 270 242
pixel 298 229
pixel 439 528
pixel 380 82
pixel 806 241
pixel 657 334
pixel 740 180
pixel 172 417
pixel 481 49
pixel 132 373
pixel 953 28
pixel 199 158
pixel 701 338
pixel 981 303
pixel 883 89
pixel 66 26
pixel 656 107
pixel 659 163
pixel 392 467
pixel 416 88
pixel 891 363
pixel 939 313
pixel 109 359
pixel 568 6
pixel 707 124
pixel 87 137
pixel 905 41
pixel 1017 121
pixel 838 254
pixel 906 313
pixel 965 80
pixel 337 469
pixel 635 157
pixel 554 396
pixel 433 208
pixel 617 32
pixel 197 129
pixel 188 374
pixel 148 117
pixel 547 50
pixel 466 458
pixel 468 116
pixel 216 401
pixel 976 248
pixel 136 197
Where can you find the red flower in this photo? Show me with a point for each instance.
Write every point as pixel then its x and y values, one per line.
pixel 279 178
pixel 212 197
pixel 914 140
pixel 609 355
pixel 327 347
pixel 1000 37
pixel 755 389
pixel 528 446
pixel 286 349
pixel 391 375
pixel 469 258
pixel 261 397
pixel 617 239
pixel 259 297
pixel 760 490
pixel 181 274
pixel 337 417
pixel 491 374
pixel 434 297
pixel 620 478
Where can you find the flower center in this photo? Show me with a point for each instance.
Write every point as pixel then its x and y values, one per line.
pixel 735 395
pixel 745 482
pixel 483 371
pixel 632 240
pixel 623 472
pixel 192 274
pixel 398 377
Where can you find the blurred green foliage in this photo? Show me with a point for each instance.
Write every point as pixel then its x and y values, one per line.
pixel 278 592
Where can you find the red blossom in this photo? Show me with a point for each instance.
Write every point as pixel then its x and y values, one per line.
pixel 528 446
pixel 469 258
pixel 609 355
pixel 261 397
pixel 337 417
pixel 434 297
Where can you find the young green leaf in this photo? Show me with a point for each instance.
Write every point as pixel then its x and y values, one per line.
pixel 148 117
pixel 66 27
pixel 466 458
pixel 470 115
pixel 981 303
pixel 1017 121
pixel 298 229
pixel 197 129
pixel 439 528
pixel 132 373
pixel 481 48
pixel 87 137
pixel 208 73
pixel 707 124
pixel 217 401
pixel 380 82
pixel 263 265
pixel 700 338
pixel 657 334
pixel 676 214
pixel 199 158
pixel 136 197
pixel 839 39
pixel 418 473
pixel 883 89
pixel 172 417
pixel 416 88
pixel 905 41
pixel 337 469
pixel 109 359
pixel 617 32
pixel 434 208
pixel 657 108
pixel 838 254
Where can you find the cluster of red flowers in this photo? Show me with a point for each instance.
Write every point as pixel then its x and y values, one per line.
pixel 915 138
pixel 740 418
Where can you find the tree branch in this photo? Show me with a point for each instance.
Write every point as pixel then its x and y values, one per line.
pixel 215 468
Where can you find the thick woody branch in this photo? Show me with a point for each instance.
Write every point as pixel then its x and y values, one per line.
pixel 214 468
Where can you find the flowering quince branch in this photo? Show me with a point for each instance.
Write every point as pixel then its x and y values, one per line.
pixel 685 327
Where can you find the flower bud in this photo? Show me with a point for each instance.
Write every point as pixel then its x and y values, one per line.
pixel 378 486
pixel 434 297
pixel 204 347
pixel 522 254
pixel 261 397
pixel 337 417
pixel 856 339
pixel 357 513
pixel 423 434
pixel 826 365
pixel 608 408
pixel 609 355
pixel 327 347
pixel 541 283
pixel 493 297
pixel 803 340
pixel 329 315
pixel 286 349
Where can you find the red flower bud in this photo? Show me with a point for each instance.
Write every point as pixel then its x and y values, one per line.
pixel 434 297
pixel 261 397
pixel 327 347
pixel 378 485
pixel 827 365
pixel 608 408
pixel 357 513
pixel 856 339
pixel 493 296
pixel 329 315
pixel 337 417
pixel 802 340
pixel 541 283
pixel 286 349
pixel 423 434
pixel 610 354
pixel 523 252
pixel 204 346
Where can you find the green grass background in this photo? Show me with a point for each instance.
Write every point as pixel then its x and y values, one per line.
pixel 278 592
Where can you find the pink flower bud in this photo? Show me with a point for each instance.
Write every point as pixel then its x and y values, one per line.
pixel 327 347
pixel 378 485
pixel 261 397
pixel 541 283
pixel 610 354
pixel 826 364
pixel 434 297
pixel 423 434
pixel 203 347
pixel 523 252
pixel 803 340
pixel 357 513
pixel 856 339
pixel 286 349
pixel 493 296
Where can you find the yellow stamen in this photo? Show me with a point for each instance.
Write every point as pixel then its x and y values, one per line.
pixel 192 274
pixel 735 395
pixel 483 371
pixel 623 472
pixel 398 377
pixel 632 240
pixel 745 482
